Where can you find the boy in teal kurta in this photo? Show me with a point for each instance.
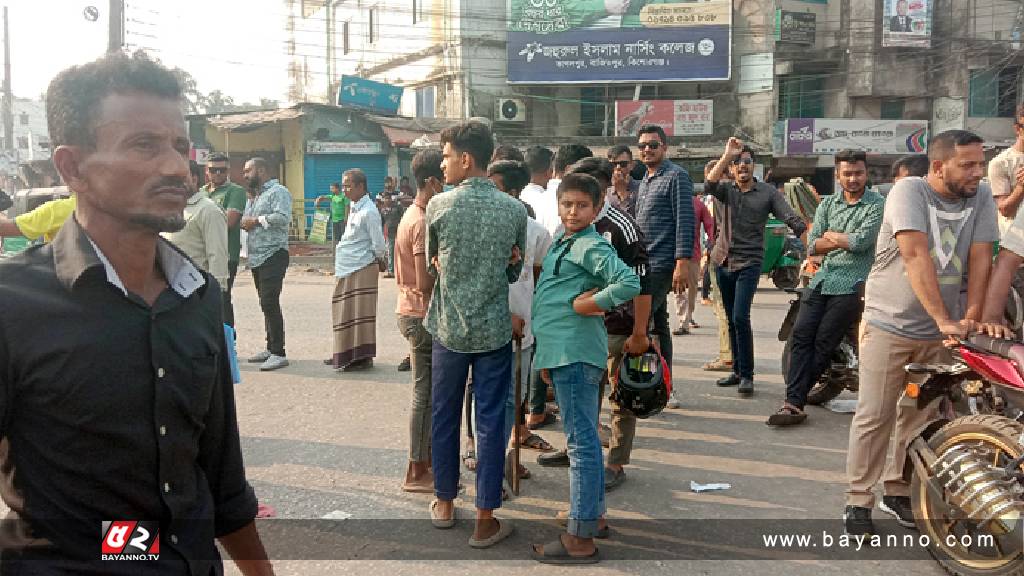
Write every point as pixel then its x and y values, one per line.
pixel 583 277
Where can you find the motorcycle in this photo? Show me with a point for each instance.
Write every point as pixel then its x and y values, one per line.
pixel 842 372
pixel 783 255
pixel 967 473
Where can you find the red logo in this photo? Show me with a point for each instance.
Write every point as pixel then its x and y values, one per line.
pixel 130 540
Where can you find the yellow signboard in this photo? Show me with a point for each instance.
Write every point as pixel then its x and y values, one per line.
pixel 706 13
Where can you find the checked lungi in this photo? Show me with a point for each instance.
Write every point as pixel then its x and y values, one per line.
pixel 354 316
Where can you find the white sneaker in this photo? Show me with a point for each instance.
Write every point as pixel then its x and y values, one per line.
pixel 673 402
pixel 259 358
pixel 273 363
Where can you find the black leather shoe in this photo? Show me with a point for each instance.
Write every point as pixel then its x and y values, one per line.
pixel 746 387
pixel 730 380
pixel 557 459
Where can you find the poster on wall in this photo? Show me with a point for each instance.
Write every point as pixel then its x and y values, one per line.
pixel 948 114
pixel 578 41
pixel 907 23
pixel 676 117
pixel 830 135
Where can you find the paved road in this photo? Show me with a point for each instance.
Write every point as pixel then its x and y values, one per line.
pixel 318 443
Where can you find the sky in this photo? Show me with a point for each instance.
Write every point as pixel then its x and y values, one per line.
pixel 236 46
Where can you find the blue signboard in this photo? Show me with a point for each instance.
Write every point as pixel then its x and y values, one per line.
pixel 564 41
pixel 373 96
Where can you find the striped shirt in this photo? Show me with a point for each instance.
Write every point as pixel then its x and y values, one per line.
pixel 623 233
pixel 664 211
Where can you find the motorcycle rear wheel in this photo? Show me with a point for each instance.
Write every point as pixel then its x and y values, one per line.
pixel 1002 437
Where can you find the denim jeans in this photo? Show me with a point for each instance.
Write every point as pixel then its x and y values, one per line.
pixel 738 288
pixel 576 391
pixel 491 374
pixel 420 351
pixel 661 285
pixel 269 280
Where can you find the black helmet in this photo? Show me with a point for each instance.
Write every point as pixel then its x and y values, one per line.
pixel 644 384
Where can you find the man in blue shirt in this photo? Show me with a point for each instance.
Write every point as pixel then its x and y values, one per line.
pixel 664 211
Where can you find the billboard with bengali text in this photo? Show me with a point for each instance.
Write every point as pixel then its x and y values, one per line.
pixel 830 135
pixel 677 117
pixel 582 41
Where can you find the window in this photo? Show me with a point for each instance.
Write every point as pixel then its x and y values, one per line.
pixel 801 96
pixel 425 102
pixel 374 25
pixel 892 108
pixel 592 111
pixel 23 119
pixel 23 142
pixel 994 93
pixel 345 46
pixel 417 11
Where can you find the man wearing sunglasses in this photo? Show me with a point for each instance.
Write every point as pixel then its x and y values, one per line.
pixel 624 188
pixel 231 198
pixel 664 211
pixel 740 249
pixel 1006 175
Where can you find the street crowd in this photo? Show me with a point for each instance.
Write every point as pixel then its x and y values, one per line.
pixel 550 268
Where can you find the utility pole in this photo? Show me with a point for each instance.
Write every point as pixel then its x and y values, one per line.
pixel 115 30
pixel 8 108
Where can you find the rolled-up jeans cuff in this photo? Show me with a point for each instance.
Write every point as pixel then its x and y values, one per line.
pixel 582 528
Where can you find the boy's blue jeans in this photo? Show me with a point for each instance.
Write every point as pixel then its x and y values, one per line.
pixel 491 374
pixel 577 387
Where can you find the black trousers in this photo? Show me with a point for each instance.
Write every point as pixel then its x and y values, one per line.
pixel 229 308
pixel 269 280
pixel 820 326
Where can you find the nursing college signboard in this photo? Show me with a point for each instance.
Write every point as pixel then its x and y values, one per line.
pixel 830 135
pixel 583 41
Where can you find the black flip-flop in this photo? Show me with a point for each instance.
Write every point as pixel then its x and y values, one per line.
pixel 787 416
pixel 555 553
pixel 535 442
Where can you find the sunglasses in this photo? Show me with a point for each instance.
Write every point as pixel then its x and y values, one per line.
pixel 743 161
pixel 621 164
pixel 652 145
pixel 217 170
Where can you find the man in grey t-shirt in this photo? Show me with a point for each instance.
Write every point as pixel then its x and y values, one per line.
pixel 935 241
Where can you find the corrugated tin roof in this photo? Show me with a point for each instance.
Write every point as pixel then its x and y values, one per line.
pixel 254 120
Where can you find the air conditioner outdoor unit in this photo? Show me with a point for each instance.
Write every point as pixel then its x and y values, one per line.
pixel 509 110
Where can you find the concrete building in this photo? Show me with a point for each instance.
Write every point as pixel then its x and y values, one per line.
pixel 867 75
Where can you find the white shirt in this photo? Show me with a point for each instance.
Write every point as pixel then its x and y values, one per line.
pixel 363 240
pixel 520 293
pixel 544 204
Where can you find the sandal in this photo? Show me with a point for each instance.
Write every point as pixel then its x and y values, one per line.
pixel 437 521
pixel 788 415
pixel 718 365
pixel 505 529
pixel 469 460
pixel 554 552
pixel 694 325
pixel 535 442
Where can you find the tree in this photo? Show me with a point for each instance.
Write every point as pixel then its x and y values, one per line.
pixel 194 99
pixel 216 102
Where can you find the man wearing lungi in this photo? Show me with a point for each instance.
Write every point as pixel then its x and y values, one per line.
pixel 354 305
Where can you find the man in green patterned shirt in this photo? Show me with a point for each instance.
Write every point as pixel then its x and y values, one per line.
pixel 844 231
pixel 475 235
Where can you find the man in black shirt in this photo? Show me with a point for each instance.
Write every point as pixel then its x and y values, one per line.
pixel 115 386
pixel 739 249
